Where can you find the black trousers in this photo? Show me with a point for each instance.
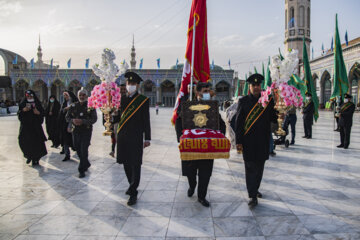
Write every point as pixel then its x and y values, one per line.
pixel 345 135
pixel 82 142
pixel 254 172
pixel 308 128
pixel 337 123
pixel 133 173
pixel 202 168
pixel 290 120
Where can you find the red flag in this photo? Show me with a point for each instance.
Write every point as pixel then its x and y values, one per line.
pixel 201 55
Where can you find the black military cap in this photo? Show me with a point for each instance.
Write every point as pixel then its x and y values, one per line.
pixel 133 77
pixel 29 93
pixel 202 85
pixel 308 94
pixel 346 95
pixel 255 79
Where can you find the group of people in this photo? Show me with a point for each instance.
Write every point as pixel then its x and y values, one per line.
pixel 343 114
pixel 70 125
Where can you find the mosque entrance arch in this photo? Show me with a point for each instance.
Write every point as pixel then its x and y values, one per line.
pixel 168 93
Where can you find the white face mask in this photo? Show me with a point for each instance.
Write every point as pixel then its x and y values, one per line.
pixel 346 100
pixel 206 96
pixel 131 88
pixel 30 100
pixel 52 100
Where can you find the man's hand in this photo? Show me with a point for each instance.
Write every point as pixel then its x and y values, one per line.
pixel 36 111
pixel 26 109
pixel 239 148
pixel 69 130
pixel 146 144
pixel 77 122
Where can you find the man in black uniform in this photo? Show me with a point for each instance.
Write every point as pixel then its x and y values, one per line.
pixel 308 117
pixel 82 119
pixel 345 121
pixel 253 135
pixel 203 168
pixel 133 128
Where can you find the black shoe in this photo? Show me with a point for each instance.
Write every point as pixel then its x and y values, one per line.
pixel 127 192
pixel 253 202
pixel 190 192
pixel 204 202
pixel 304 136
pixel 28 161
pixel 87 167
pixel 132 200
pixel 309 138
pixel 81 175
pixel 62 151
pixel 273 154
pixel 340 146
pixel 346 147
pixel 259 195
pixel 35 162
pixel 292 142
pixel 66 158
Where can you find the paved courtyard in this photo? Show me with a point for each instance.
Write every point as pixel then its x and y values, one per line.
pixel 311 191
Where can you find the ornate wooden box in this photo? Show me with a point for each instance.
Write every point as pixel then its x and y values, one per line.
pixel 200 114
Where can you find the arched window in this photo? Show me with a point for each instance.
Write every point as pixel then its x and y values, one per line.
pixel 302 16
pixel 292 17
pixel 308 17
pixel 286 22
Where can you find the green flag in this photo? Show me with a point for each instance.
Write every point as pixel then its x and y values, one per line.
pixel 246 86
pixel 309 81
pixel 341 84
pixel 268 76
pixel 280 55
pixel 263 73
pixel 237 88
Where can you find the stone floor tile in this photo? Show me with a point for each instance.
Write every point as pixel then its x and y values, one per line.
pixel 145 226
pixel 236 227
pixel 190 227
pixel 281 225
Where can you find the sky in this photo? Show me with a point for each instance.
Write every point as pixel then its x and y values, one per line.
pixel 244 31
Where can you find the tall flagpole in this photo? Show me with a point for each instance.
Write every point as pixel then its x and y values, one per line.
pixel 192 58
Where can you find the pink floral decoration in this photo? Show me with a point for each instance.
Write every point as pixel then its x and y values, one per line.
pixel 290 95
pixel 105 95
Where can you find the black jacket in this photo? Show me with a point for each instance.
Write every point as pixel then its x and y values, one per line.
pixel 308 112
pixel 256 142
pixel 81 111
pixel 346 115
pixel 130 139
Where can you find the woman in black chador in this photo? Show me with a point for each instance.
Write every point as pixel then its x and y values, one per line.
pixel 31 135
pixel 51 120
pixel 65 136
